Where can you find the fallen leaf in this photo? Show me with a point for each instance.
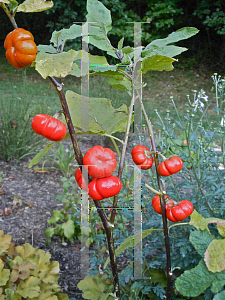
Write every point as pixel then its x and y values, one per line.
pixel 8 211
pixel 11 176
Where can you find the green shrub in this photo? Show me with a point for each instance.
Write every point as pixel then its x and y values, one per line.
pixel 27 273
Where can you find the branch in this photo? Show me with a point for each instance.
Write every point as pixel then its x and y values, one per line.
pixel 11 17
pixel 79 158
pixel 162 201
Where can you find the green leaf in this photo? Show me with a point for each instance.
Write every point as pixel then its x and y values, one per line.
pixel 195 281
pixel 5 241
pixel 160 46
pixel 29 288
pixel 13 5
pixel 103 118
pixel 94 63
pixel 158 276
pixel 29 6
pixel 38 157
pixel 96 288
pixel 221 228
pixel 122 84
pixel 47 48
pixel 55 218
pixel 68 228
pixel 215 256
pixel 57 65
pixel 131 241
pixel 120 44
pixel 10 295
pixel 99 18
pixel 196 219
pixel 4 274
pixel 201 240
pixel 60 37
pixel 220 296
pixel 157 63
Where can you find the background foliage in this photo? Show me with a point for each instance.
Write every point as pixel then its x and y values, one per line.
pixel 165 16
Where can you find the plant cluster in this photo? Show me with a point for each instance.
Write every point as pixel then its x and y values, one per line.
pixel 27 273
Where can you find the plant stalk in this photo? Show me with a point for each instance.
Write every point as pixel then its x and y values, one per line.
pixel 79 158
pixel 11 17
pixel 162 202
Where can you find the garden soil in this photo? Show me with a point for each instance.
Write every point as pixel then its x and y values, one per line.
pixel 26 220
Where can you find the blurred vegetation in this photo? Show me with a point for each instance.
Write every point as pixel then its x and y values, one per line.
pixel 164 16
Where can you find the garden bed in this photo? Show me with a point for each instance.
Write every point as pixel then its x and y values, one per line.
pixel 28 199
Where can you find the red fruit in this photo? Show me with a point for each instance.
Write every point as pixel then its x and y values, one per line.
pixel 180 212
pixel 49 127
pixel 100 162
pixel 170 166
pixel 104 187
pixel 141 157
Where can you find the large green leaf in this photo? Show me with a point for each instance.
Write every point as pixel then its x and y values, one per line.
pixel 29 6
pixel 98 25
pixel 57 65
pixel 93 63
pixel 201 240
pixel 131 241
pixel 215 256
pixel 103 118
pixel 220 296
pixel 60 37
pixel 195 281
pixel 162 47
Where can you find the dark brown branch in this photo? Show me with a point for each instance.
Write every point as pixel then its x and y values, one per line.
pixel 162 202
pixel 79 158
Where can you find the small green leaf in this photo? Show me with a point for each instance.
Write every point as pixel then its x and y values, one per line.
pixel 120 44
pixel 13 5
pixel 38 157
pixel 29 288
pixel 215 256
pixel 68 228
pixel 122 84
pixel 5 241
pixel 55 218
pixel 4 274
pixel 158 276
pixel 29 6
pixel 131 241
pixel 157 63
